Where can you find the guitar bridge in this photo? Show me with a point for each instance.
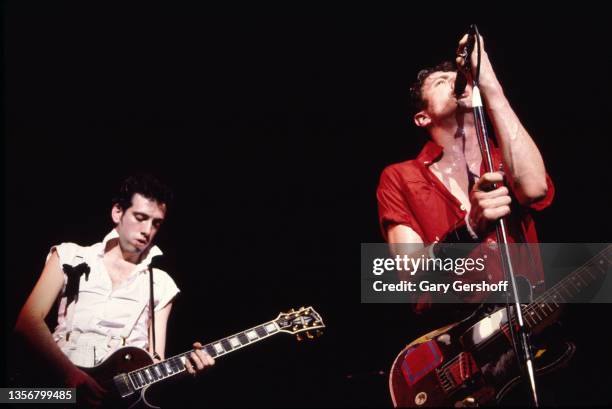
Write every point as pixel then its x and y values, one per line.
pixel 446 381
pixel 123 385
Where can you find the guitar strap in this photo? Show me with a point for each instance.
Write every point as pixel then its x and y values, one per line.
pixel 71 306
pixel 152 312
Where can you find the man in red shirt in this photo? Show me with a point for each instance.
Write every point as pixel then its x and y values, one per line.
pixel 443 195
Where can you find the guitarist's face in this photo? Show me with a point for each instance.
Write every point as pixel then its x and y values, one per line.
pixel 138 225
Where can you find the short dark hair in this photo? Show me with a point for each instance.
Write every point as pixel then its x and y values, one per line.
pixel 417 103
pixel 146 185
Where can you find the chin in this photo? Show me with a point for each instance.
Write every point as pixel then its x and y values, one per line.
pixel 464 105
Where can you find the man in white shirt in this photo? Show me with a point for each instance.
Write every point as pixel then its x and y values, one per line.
pixel 104 293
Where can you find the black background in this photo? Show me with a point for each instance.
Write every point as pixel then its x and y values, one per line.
pixel 273 124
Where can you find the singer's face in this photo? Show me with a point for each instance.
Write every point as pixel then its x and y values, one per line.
pixel 138 225
pixel 438 92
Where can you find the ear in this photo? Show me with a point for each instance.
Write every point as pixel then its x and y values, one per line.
pixel 421 119
pixel 116 213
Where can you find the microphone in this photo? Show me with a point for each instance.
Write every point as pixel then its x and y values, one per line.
pixel 461 79
pixel 460 84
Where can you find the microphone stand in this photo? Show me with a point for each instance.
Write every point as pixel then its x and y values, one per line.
pixel 526 363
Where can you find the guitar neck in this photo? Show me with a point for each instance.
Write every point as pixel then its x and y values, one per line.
pixel 568 289
pixel 175 365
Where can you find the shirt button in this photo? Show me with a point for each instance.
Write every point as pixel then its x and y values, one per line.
pixel 492 244
pixel 462 207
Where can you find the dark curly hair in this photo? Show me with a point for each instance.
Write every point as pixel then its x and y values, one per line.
pixel 145 184
pixel 417 103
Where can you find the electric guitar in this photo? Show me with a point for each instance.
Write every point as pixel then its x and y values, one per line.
pixel 472 362
pixel 129 371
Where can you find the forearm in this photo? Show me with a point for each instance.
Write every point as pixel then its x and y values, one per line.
pixel 35 333
pixel 523 162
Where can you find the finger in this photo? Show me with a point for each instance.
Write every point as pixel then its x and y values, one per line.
pixel 197 360
pixel 493 177
pixel 462 43
pixel 197 345
pixel 460 61
pixel 479 195
pixel 206 359
pixel 95 389
pixel 189 367
pixel 461 51
pixel 495 202
pixel 99 387
pixel 491 194
pixel 496 213
pixel 486 181
pixel 96 393
pixel 481 41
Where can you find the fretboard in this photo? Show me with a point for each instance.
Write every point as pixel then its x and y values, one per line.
pixel 151 374
pixel 568 289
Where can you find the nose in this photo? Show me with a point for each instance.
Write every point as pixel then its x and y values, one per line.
pixel 146 229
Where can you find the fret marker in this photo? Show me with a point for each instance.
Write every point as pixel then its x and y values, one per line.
pixel 218 348
pixel 270 328
pixel 234 342
pixel 251 335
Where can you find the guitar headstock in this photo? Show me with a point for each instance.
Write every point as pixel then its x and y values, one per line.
pixel 303 321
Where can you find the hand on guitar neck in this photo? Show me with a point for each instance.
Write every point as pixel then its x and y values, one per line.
pixel 198 360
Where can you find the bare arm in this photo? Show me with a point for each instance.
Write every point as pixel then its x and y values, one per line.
pixel 161 324
pixel 399 236
pixel 522 159
pixel 32 328
pixel 31 324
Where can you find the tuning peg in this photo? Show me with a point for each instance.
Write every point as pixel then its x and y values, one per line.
pixel 299 337
pixel 291 310
pixel 309 335
pixel 295 327
pixel 319 332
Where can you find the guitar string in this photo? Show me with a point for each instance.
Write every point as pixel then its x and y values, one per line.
pixel 535 303
pixel 184 354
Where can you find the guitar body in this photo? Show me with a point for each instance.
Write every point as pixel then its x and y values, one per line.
pixel 470 363
pixel 122 361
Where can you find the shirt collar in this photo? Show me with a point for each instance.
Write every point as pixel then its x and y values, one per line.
pixel 151 252
pixel 430 153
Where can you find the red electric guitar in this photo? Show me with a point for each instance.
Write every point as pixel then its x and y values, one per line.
pixel 472 363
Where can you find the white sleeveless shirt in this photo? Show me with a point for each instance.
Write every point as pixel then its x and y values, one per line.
pixel 103 319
